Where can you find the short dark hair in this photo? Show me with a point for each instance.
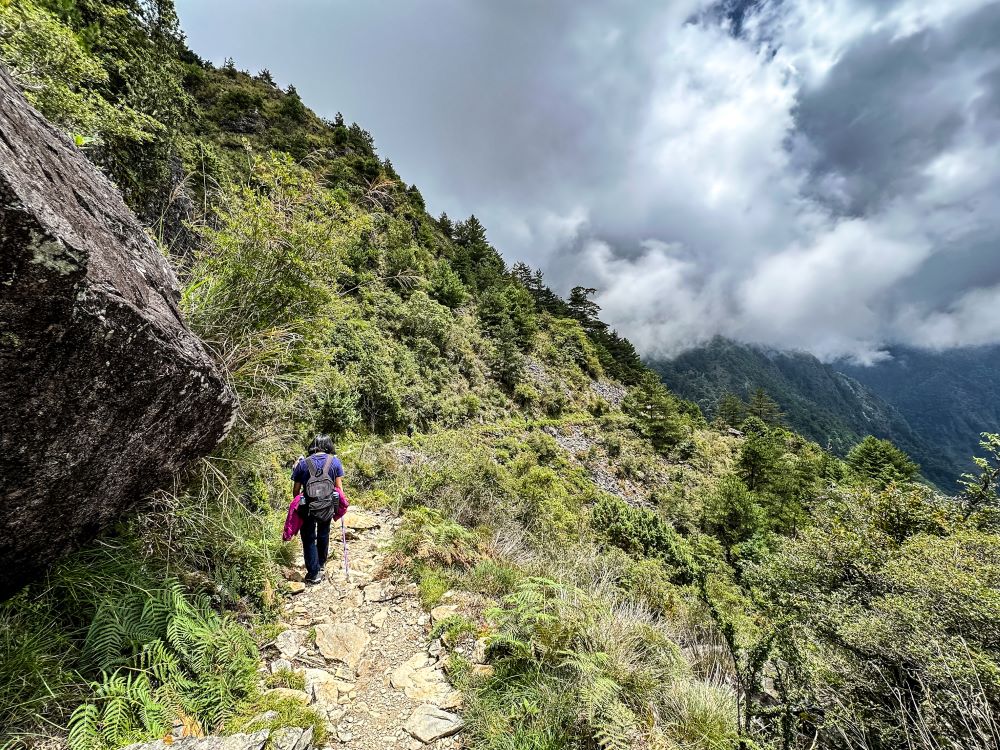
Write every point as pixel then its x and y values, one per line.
pixel 321 444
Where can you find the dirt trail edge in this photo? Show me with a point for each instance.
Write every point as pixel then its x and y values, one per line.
pixel 364 648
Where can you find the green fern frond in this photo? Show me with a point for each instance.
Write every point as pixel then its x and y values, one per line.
pixel 615 728
pixel 84 728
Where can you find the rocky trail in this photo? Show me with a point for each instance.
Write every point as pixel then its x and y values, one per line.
pixel 364 648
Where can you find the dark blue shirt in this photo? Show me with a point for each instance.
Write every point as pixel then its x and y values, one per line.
pixel 300 473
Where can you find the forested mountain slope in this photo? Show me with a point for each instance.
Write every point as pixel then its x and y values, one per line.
pixel 644 578
pixel 948 398
pixel 816 399
pixel 933 405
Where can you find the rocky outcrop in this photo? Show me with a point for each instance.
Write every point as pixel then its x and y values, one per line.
pixel 105 392
pixel 287 738
pixel 343 641
pixel 429 723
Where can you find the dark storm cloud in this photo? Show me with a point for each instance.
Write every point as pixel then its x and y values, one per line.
pixel 891 105
pixel 818 174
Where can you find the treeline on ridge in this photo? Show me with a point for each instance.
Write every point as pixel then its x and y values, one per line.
pixel 649 579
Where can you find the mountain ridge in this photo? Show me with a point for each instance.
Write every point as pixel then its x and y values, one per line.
pixel 819 400
pixel 635 576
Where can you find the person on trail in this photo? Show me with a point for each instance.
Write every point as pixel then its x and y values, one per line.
pixel 319 477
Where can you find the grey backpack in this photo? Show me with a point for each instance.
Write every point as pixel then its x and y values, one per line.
pixel 320 492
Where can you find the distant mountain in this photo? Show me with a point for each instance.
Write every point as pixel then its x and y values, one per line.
pixel 948 398
pixel 822 402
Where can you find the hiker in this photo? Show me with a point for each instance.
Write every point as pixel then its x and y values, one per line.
pixel 319 477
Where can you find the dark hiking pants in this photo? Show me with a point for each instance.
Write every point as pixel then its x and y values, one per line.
pixel 315 544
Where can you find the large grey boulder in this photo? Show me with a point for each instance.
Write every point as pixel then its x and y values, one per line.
pixel 104 393
pixel 255 741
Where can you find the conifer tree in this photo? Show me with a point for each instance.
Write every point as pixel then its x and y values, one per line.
pixel 982 491
pixel 764 408
pixel 292 107
pixel 584 309
pixel 731 410
pixel 758 456
pixel 655 410
pixel 523 273
pixel 470 232
pixel 881 461
pixel 447 228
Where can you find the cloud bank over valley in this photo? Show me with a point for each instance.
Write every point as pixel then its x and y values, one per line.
pixel 812 174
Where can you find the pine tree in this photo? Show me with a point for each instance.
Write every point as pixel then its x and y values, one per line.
pixel 764 408
pixel 416 199
pixel 655 410
pixel 292 107
pixel 585 309
pixel 523 273
pixel 731 410
pixel 881 461
pixel 470 232
pixel 759 455
pixel 447 228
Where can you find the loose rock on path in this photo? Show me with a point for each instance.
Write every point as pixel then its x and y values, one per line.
pixel 364 649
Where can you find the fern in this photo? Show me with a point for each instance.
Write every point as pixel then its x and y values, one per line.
pixel 84 728
pixel 615 727
pixel 163 654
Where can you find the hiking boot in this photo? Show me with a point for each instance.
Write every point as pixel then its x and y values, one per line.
pixel 314 579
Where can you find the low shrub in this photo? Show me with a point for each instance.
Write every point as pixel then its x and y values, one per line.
pixel 574 670
pixel 642 532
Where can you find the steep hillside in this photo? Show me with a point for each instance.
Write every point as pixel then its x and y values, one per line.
pixel 949 398
pixel 933 405
pixel 817 400
pixel 600 567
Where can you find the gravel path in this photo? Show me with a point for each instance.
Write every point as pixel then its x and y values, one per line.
pixel 363 646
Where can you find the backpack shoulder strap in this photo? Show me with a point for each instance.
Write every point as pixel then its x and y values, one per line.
pixel 328 465
pixel 311 466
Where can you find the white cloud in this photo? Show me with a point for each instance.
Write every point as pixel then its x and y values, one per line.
pixel 818 174
pixel 973 320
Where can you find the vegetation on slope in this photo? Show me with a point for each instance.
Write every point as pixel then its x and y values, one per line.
pixel 816 400
pixel 654 581
pixel 949 397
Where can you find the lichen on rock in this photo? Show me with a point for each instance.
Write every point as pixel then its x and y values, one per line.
pixel 106 393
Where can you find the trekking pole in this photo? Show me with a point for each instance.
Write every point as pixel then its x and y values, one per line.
pixel 343 537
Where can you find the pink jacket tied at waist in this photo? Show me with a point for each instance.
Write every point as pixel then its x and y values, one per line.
pixel 293 521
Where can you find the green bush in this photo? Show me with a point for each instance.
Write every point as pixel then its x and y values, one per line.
pixel 446 285
pixel 892 596
pixel 649 581
pixel 643 533
pixel 732 513
pixel 428 538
